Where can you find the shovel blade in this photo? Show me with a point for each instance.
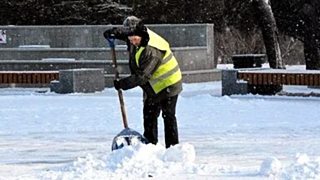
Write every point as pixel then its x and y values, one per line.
pixel 127 137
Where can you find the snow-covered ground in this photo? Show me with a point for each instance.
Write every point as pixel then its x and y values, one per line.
pixel 51 136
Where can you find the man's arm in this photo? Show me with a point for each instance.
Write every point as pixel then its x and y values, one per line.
pixel 117 33
pixel 150 60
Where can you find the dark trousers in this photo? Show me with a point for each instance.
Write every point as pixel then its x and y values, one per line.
pixel 151 112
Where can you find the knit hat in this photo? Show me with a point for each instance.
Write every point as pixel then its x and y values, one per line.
pixel 131 22
pixel 136 27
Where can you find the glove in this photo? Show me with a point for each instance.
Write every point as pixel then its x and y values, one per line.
pixel 111 42
pixel 116 84
pixel 110 36
pixel 110 33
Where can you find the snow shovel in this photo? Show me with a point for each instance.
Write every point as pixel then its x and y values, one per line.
pixel 127 136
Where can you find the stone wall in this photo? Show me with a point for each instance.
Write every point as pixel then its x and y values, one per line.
pixel 91 36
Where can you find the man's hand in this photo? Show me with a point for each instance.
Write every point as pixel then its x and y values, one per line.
pixel 110 36
pixel 110 33
pixel 116 84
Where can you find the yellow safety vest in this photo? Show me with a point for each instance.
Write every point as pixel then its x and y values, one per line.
pixel 168 73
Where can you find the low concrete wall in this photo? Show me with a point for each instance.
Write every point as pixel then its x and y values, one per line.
pixel 189 58
pixel 231 85
pixel 187 76
pixel 79 81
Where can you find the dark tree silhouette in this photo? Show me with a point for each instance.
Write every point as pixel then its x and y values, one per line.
pixel 270 33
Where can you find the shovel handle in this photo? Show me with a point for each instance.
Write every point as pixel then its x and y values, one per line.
pixel 123 109
pixel 120 95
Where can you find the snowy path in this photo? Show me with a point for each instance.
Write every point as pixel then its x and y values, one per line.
pixel 50 136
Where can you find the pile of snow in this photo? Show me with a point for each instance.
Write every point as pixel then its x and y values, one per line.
pixel 132 162
pixel 146 161
pixel 270 167
pixel 303 168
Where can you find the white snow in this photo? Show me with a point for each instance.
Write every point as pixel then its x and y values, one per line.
pixel 49 136
pixel 270 167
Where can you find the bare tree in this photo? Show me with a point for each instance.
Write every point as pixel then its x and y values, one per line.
pixel 269 29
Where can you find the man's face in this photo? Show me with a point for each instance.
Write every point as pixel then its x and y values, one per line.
pixel 135 40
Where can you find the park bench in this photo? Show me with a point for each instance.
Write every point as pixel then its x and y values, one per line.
pixel 265 81
pixel 27 78
pixel 281 77
pixel 248 60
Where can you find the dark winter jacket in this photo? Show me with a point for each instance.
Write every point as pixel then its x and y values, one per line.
pixel 150 60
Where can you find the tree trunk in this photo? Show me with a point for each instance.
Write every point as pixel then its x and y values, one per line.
pixel 311 51
pixel 269 29
pixel 311 37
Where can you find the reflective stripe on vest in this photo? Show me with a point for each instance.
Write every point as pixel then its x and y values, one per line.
pixel 168 73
